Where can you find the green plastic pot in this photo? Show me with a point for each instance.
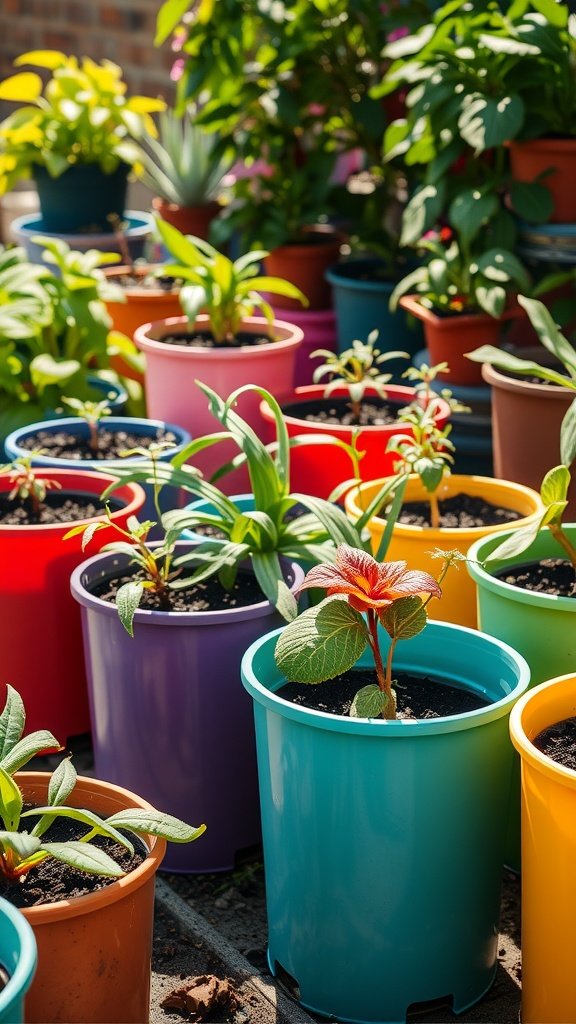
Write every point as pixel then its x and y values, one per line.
pixel 383 841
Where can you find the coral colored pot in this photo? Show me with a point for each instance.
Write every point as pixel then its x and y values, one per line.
pixel 548 854
pixel 529 160
pixel 449 338
pixel 40 623
pixel 175 686
pixel 18 955
pixel 373 830
pixel 415 544
pixel 317 469
pixel 171 371
pixel 94 951
pixel 190 220
pixel 141 306
pixel 305 264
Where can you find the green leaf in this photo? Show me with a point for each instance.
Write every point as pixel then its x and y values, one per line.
pixel 12 721
pixel 268 572
pixel 127 601
pixel 155 823
pixel 169 17
pixel 549 333
pixel 323 642
pixel 30 746
pixel 506 361
pixel 62 783
pixel 502 266
pixel 422 212
pixel 516 543
pixel 45 370
pixel 93 821
pixel 85 858
pixel 504 44
pixel 405 618
pixel 470 210
pixel 492 299
pixel 531 201
pixel 555 485
pixel 23 844
pixel 11 802
pixel 369 702
pixel 568 435
pixel 485 123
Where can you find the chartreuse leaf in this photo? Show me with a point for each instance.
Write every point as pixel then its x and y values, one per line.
pixel 568 435
pixel 10 802
pixel 554 487
pixel 12 721
pixel 86 858
pixel 506 361
pixel 404 618
pixel 323 642
pixel 169 16
pixel 28 747
pixel 155 823
pixel 127 601
pixel 369 702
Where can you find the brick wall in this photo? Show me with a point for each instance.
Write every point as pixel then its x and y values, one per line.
pixel 120 30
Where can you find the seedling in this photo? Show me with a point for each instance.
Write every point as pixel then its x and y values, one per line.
pixel 22 850
pixel 329 638
pixel 356 369
pixel 28 486
pixel 427 452
pixel 423 377
pixel 92 413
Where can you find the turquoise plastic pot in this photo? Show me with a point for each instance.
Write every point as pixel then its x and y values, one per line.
pixel 18 955
pixel 383 841
pixel 541 627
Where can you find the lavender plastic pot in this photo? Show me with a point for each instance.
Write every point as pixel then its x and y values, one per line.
pixel 170 717
pixel 319 329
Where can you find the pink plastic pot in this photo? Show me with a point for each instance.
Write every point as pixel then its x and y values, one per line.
pixel 171 371
pixel 318 469
pixel 39 620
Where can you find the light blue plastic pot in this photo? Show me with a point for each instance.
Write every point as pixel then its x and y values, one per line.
pixel 170 496
pixel 18 955
pixel 138 230
pixel 383 841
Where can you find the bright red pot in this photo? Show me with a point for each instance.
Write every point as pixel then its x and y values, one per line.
pixel 40 631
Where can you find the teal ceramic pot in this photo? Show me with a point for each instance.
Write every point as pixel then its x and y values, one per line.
pixel 81 199
pixel 18 957
pixel 541 627
pixel 383 841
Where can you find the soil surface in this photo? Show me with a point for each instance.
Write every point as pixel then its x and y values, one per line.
pixel 336 412
pixel 554 576
pixel 461 512
pixel 146 282
pixel 52 880
pixel 418 697
pixel 205 339
pixel 57 507
pixel 111 443
pixel 558 741
pixel 208 595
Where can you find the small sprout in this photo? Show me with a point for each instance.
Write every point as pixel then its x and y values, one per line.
pixel 356 369
pixel 92 413
pixel 424 376
pixel 426 452
pixel 327 639
pixel 28 486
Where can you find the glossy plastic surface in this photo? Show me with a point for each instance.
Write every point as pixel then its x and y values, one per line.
pixel 18 955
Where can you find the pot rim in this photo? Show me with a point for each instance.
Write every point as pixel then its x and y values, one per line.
pixel 143 295
pixel 21 977
pixel 153 617
pixel 485 579
pixel 521 736
pixel 567 144
pixel 336 275
pixel 132 493
pixel 405 662
pixel 117 889
pixel 504 382
pixel 78 426
pixel 458 322
pixel 143 340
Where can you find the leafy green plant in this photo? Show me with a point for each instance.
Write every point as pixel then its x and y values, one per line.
pixel 261 536
pixel 91 413
pixel 54 329
pixel 422 377
pixel 183 165
pixel 27 486
pixel 228 291
pixel 563 352
pixel 21 849
pixel 427 451
pixel 81 116
pixel 356 369
pixel 327 639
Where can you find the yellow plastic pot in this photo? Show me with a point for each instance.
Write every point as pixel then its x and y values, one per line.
pixel 414 544
pixel 548 858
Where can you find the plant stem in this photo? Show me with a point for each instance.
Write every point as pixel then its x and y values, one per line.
pixel 559 536
pixel 384 676
pixel 434 511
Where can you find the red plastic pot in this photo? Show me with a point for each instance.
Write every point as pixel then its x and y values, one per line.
pixel 318 469
pixel 40 629
pixel 529 160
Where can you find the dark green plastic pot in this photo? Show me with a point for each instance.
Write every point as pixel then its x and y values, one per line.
pixel 82 198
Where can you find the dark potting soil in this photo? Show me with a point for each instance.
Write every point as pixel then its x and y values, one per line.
pixel 58 507
pixel 207 596
pixel 461 512
pixel 377 412
pixel 419 697
pixel 111 443
pixel 558 741
pixel 52 880
pixel 548 576
pixel 205 339
pixel 145 282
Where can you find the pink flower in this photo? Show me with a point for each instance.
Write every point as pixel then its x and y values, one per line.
pixel 177 69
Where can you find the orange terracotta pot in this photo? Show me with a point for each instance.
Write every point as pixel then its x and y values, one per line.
pixel 94 951
pixel 142 305
pixel 529 160
pixel 190 220
pixel 449 338
pixel 305 264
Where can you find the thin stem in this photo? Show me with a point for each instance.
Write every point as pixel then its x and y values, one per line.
pixel 434 511
pixel 559 535
pixel 384 676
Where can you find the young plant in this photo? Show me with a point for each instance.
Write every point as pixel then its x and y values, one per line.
pixel 563 352
pixel 554 495
pixel 262 536
pixel 426 452
pixel 91 413
pixel 228 291
pixel 23 849
pixel 356 369
pixel 327 639
pixel 422 378
pixel 27 486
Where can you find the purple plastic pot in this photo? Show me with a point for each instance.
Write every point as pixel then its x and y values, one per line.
pixel 319 329
pixel 170 718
